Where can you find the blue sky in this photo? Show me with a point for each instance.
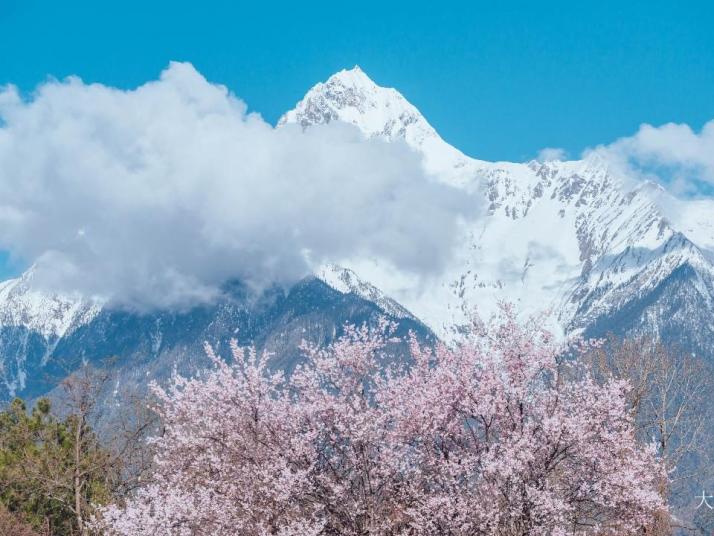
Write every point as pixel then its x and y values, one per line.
pixel 500 80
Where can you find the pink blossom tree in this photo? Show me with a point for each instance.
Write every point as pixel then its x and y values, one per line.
pixel 491 436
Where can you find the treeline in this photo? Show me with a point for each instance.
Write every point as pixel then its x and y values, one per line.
pixel 507 433
pixel 55 469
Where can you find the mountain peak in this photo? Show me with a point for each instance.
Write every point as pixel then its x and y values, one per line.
pixel 352 77
pixel 353 97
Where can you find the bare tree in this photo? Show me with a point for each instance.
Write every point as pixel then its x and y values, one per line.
pixel 118 453
pixel 86 447
pixel 669 395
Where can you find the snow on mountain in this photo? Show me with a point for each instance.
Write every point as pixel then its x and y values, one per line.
pixel 50 314
pixel 695 218
pixel 32 324
pixel 350 96
pixel 346 282
pixel 152 345
pixel 600 251
pixel 573 238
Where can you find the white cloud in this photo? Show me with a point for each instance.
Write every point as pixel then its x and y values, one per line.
pixel 683 158
pixel 156 196
pixel 550 154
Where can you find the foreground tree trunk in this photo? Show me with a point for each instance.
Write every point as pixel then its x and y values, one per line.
pixel 77 478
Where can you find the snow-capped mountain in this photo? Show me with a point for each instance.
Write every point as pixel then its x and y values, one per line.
pixel 575 238
pixel 32 323
pixel 346 281
pixel 350 96
pixel 151 345
pixel 598 250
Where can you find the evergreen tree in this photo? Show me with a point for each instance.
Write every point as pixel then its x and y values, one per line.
pixel 51 471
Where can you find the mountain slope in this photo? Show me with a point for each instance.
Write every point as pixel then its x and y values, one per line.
pixel 151 346
pixel 575 238
pixel 350 96
pixel 32 324
pixel 600 251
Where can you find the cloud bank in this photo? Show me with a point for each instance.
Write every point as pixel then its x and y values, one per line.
pixel 155 196
pixel 549 154
pixel 674 153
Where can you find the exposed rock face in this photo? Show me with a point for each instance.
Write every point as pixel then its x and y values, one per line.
pixel 152 346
